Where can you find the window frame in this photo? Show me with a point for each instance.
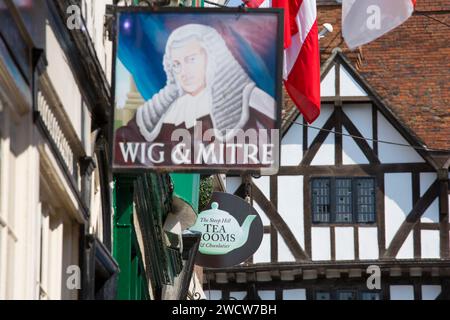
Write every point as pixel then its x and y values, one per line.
pixel 355 214
pixel 333 293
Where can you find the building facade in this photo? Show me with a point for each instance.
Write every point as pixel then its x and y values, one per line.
pixel 55 212
pixel 360 206
pixel 69 228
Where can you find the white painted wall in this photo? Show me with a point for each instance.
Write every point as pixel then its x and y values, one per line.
pixel 263 252
pixel 388 153
pixel 103 47
pixel 263 184
pixel 407 249
pixel 431 214
pixel 213 294
pixel 265 220
pixel 19 206
pixel 351 153
pixel 232 184
pixel 325 155
pixel 426 180
pixel 290 204
pixel 397 201
pixel 361 116
pixel 294 294
pixel 345 244
pixel 368 243
pixel 63 81
pixel 284 254
pixel 430 292
pixel 430 244
pixel 349 87
pixel 402 292
pixel 266 294
pixel 238 295
pixel 292 145
pixel 325 112
pixel 320 243
pixel 327 86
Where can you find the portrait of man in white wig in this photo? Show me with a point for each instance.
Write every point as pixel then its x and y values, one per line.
pixel 205 84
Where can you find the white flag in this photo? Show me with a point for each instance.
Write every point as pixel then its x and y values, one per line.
pixel 366 20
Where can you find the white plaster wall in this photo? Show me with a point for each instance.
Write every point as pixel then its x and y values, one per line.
pixel 284 254
pixel 238 295
pixel 397 201
pixel 351 153
pixel 430 244
pixel 368 243
pixel 103 46
pixel 431 214
pixel 63 81
pixel 325 112
pixel 389 153
pixel 349 87
pixel 265 220
pixel 426 180
pixel 407 249
pixel 263 184
pixel 325 155
pixel 431 292
pixel 402 292
pixel 290 204
pixel 19 200
pixel 292 145
pixel 294 294
pixel 320 246
pixel 263 252
pixel 327 86
pixel 345 245
pixel 361 116
pixel 266 294
pixel 55 261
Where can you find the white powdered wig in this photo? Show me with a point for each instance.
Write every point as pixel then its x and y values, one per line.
pixel 225 79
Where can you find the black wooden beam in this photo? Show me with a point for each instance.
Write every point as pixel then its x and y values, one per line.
pixel 318 141
pixel 380 215
pixel 416 232
pixel 356 170
pixel 273 230
pixel 444 215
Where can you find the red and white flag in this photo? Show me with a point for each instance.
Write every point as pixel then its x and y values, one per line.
pixel 366 20
pixel 253 3
pixel 301 72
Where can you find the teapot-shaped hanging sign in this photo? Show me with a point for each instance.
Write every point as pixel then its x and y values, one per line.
pixel 221 232
pixel 231 231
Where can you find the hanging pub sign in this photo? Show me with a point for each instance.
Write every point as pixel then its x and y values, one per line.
pixel 231 230
pixel 197 89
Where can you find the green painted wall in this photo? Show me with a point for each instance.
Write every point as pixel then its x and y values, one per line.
pixel 132 283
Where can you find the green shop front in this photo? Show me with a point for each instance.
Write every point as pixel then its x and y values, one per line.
pixel 154 252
